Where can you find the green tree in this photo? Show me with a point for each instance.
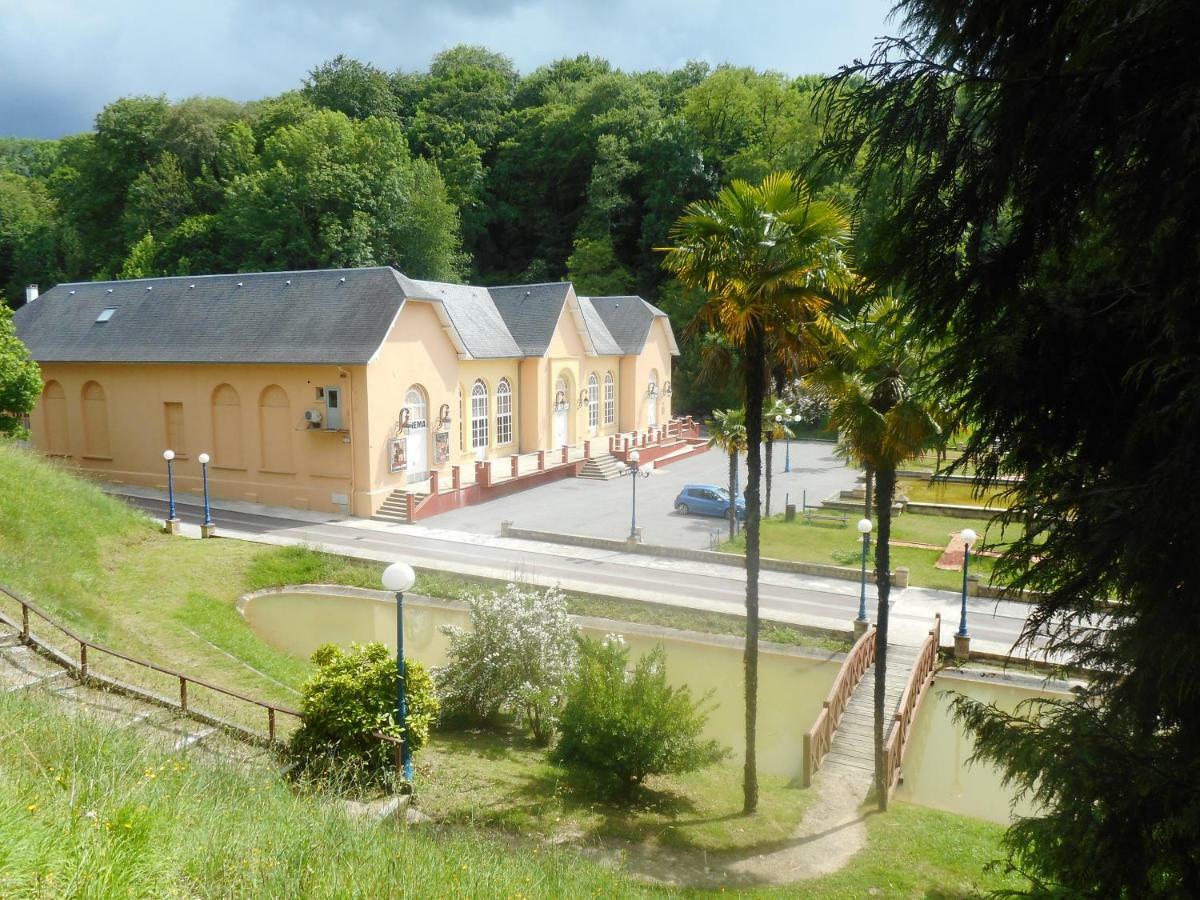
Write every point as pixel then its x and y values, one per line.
pixel 1040 211
pixel 352 697
pixel 628 725
pixel 30 241
pixel 595 270
pixel 20 378
pixel 771 260
pixel 348 86
pixel 334 192
pixel 885 414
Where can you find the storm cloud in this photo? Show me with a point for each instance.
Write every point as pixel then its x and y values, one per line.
pixel 64 59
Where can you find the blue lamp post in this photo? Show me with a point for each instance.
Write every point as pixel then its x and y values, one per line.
pixel 172 519
pixel 787 450
pixel 864 528
pixel 206 527
pixel 634 472
pixel 399 577
pixel 969 537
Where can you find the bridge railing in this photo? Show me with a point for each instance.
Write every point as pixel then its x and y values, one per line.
pixel 818 739
pixel 259 721
pixel 915 689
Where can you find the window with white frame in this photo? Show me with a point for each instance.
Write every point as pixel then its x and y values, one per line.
pixel 610 399
pixel 479 415
pixel 504 412
pixel 593 395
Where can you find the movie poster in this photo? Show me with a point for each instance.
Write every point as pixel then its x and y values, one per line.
pixel 441 448
pixel 398 457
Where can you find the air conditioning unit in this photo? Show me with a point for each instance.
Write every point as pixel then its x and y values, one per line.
pixel 312 417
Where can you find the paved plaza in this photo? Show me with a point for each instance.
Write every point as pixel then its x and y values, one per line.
pixel 602 508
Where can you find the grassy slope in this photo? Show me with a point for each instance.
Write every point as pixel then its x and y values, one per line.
pixel 86 811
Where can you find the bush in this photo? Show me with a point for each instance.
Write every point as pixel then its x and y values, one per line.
pixel 352 696
pixel 630 725
pixel 515 659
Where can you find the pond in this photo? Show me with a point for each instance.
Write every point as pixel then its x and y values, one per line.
pixel 792 683
pixel 936 768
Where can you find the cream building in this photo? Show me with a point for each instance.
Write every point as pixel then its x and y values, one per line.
pixel 331 390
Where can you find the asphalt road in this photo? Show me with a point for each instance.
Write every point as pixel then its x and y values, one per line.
pixel 784 597
pixel 603 508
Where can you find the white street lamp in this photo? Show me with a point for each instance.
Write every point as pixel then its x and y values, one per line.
pixel 864 528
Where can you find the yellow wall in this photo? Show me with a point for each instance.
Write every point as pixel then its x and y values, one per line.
pixel 121 429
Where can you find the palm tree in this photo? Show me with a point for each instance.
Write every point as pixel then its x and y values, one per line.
pixel 884 415
pixel 770 259
pixel 727 430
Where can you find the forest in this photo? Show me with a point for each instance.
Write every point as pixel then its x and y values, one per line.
pixel 465 171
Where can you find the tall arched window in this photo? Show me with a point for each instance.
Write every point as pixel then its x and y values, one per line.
pixel 54 408
pixel 610 399
pixel 95 420
pixel 479 415
pixel 275 429
pixel 593 397
pixel 504 412
pixel 227 427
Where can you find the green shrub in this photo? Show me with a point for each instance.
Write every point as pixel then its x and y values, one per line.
pixel 351 697
pixel 626 726
pixel 515 659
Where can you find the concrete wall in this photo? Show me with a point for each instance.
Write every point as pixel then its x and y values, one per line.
pixel 115 419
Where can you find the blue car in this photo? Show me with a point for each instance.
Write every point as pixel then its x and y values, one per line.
pixel 706 500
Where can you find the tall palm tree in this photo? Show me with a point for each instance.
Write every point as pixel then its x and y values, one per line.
pixel 885 414
pixel 727 430
pixel 770 259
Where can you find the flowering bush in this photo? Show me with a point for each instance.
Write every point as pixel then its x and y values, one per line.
pixel 627 725
pixel 515 659
pixel 352 695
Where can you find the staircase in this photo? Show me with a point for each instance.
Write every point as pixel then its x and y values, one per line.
pixel 853 747
pixel 601 468
pixel 395 507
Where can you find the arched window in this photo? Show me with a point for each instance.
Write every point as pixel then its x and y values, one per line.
pixel 462 417
pixel 593 397
pixel 479 415
pixel 95 420
pixel 275 429
pixel 54 408
pixel 227 427
pixel 504 412
pixel 610 399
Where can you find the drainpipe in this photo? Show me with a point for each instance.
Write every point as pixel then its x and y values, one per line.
pixel 349 376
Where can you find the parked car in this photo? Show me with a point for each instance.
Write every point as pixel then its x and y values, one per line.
pixel 706 500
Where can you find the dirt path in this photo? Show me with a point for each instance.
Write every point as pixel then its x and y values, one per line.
pixel 831 832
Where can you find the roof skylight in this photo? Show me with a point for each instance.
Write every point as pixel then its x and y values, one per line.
pixel 106 314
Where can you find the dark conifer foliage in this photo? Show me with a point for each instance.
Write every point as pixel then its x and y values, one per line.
pixel 1035 168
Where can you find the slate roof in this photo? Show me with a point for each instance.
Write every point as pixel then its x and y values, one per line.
pixel 628 320
pixel 330 316
pixel 531 312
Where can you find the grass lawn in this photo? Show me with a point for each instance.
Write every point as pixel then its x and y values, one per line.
pixel 832 544
pixel 500 779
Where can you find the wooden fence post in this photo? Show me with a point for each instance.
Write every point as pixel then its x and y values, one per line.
pixel 271 723
pixel 83 663
pixel 183 693
pixel 24 622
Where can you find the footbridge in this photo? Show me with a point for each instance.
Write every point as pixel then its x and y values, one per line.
pixel 843 736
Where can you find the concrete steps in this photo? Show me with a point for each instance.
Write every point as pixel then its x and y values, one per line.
pixel 601 468
pixel 395 507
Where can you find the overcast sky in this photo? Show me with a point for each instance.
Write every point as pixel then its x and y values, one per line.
pixel 62 60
